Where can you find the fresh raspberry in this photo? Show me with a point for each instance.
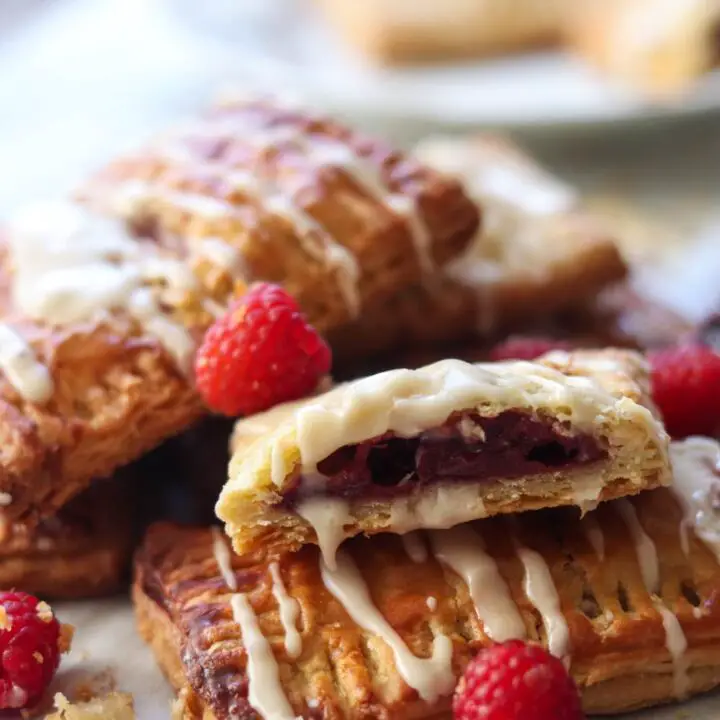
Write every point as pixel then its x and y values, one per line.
pixel 516 681
pixel 260 353
pixel 526 348
pixel 686 388
pixel 30 645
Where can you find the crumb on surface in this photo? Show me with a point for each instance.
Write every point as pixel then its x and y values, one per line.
pixel 67 633
pixel 115 706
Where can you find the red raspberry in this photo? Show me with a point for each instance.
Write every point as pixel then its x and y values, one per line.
pixel 686 388
pixel 516 681
pixel 260 353
pixel 30 645
pixel 523 347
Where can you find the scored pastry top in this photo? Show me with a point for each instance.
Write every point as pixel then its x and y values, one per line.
pixel 343 220
pixel 627 596
pixel 574 422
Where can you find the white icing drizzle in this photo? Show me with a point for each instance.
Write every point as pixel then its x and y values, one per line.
pixel 431 603
pixel 265 691
pixel 443 506
pixel 431 677
pixel 5 499
pixel 676 644
pixel 22 369
pixel 646 553
pixel 696 485
pixel 415 547
pixel 221 551
pixel 540 590
pixel 73 267
pixel 463 551
pixel 594 535
pixel 328 517
pixel 644 546
pixel 289 613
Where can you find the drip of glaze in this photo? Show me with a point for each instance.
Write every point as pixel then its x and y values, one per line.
pixel 540 590
pixel 221 551
pixel 289 613
pixel 594 535
pixel 646 553
pixel 328 517
pixel 22 369
pixel 431 677
pixel 265 691
pixel 463 551
pixel 696 485
pixel 644 546
pixel 415 547
pixel 431 603
pixel 71 266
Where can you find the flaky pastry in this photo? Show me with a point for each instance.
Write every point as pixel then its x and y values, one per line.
pixel 83 551
pixel 539 251
pixel 627 596
pixel 443 444
pixel 103 315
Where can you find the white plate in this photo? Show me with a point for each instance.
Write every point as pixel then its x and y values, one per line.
pixel 282 42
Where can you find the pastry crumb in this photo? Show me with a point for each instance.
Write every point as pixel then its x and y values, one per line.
pixel 67 632
pixel 115 706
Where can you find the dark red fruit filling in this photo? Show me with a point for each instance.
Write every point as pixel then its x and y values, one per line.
pixel 514 444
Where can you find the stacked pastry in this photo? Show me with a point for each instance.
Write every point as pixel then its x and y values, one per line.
pixel 106 299
pixel 386 531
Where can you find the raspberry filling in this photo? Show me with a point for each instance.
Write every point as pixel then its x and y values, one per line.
pixel 467 448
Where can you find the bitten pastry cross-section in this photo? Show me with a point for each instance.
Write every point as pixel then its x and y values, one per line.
pixel 626 596
pixel 441 445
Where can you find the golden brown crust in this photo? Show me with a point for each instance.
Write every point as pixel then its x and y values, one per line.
pixel 115 397
pixel 272 499
pixel 539 252
pixel 118 392
pixel 617 641
pixel 84 551
pixel 302 200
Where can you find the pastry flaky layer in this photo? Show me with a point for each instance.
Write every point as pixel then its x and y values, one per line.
pixel 627 596
pixel 83 551
pixel 342 220
pixel 102 315
pixel 540 250
pixel 441 445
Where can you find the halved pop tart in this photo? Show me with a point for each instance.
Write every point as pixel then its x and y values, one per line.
pixel 441 445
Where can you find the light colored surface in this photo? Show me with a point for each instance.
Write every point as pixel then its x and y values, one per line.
pixel 285 42
pixel 83 78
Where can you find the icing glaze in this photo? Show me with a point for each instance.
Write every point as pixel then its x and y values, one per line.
pixel 594 535
pixel 463 551
pixel 645 549
pixel 415 547
pixel 431 603
pixel 22 369
pixel 696 485
pixel 407 402
pixel 72 267
pixel 328 517
pixel 431 677
pixel 289 613
pixel 540 590
pixel 265 691
pixel 221 552
pixel 647 557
